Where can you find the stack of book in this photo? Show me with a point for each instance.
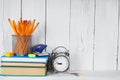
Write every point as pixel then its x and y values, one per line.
pixel 24 66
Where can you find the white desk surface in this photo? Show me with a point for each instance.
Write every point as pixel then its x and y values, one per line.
pixel 101 75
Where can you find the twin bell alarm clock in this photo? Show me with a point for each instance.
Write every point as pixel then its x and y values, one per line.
pixel 60 59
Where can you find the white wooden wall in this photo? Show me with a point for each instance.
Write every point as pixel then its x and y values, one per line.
pixel 88 28
pixel 106 34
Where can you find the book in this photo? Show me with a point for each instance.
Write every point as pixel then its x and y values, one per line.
pixel 23 64
pixel 23 71
pixel 39 59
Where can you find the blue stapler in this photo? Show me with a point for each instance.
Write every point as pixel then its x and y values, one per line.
pixel 39 48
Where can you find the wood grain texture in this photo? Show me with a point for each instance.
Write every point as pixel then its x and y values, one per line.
pixel 57 30
pixel 11 10
pixel 88 28
pixel 118 55
pixel 35 9
pixel 1 26
pixel 110 75
pixel 106 25
pixel 81 41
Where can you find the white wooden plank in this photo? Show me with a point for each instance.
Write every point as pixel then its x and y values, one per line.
pixel 1 28
pixel 57 30
pixel 101 75
pixel 106 34
pixel 11 10
pixel 82 27
pixel 35 9
pixel 118 55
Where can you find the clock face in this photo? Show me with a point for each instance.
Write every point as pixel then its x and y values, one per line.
pixel 61 63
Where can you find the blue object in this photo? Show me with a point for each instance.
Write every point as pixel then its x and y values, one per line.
pixel 39 48
pixel 40 59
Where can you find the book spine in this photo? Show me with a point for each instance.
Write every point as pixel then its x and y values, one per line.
pixel 22 62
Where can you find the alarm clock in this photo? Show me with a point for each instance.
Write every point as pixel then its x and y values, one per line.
pixel 60 60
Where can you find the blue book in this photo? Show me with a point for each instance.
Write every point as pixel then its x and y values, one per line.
pixel 39 59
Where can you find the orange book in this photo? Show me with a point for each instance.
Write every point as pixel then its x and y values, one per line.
pixel 23 64
pixel 23 71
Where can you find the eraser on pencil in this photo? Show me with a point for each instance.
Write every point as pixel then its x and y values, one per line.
pixel 31 55
pixel 9 54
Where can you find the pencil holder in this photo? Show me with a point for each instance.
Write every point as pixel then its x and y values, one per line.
pixel 21 44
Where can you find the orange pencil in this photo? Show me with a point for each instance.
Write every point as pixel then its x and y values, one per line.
pixel 12 26
pixel 34 28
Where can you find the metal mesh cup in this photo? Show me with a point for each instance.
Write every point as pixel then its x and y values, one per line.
pixel 21 44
